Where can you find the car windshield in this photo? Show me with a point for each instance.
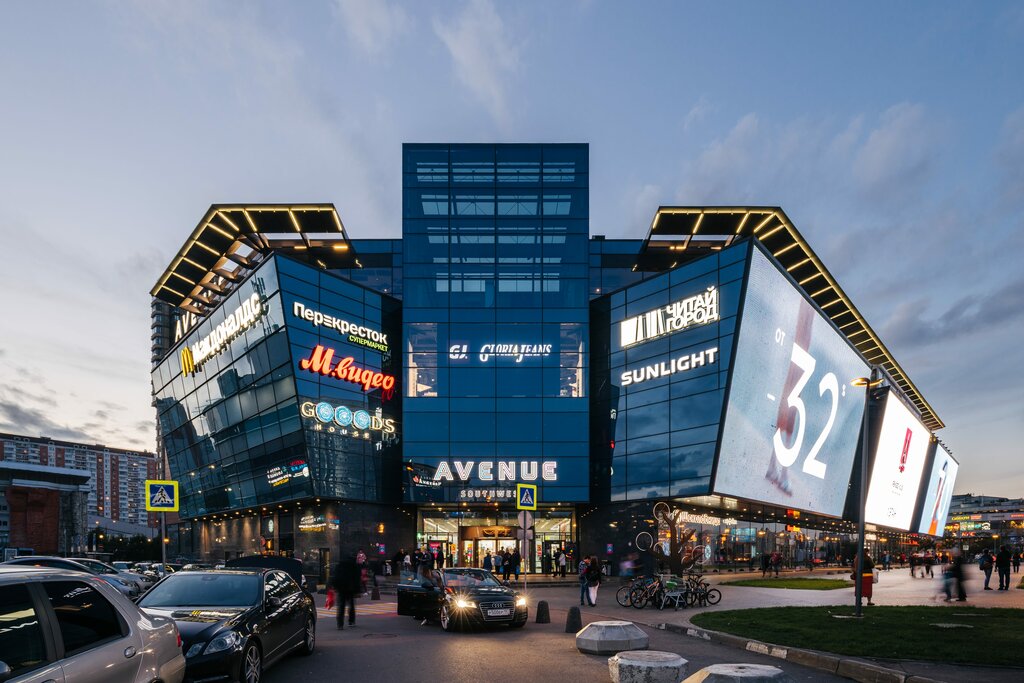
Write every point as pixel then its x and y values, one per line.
pixel 469 579
pixel 96 566
pixel 205 590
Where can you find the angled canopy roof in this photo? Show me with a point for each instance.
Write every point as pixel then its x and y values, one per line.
pixel 231 239
pixel 680 233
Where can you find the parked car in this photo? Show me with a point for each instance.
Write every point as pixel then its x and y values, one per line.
pixel 235 623
pixel 462 597
pixel 128 589
pixel 143 582
pixel 73 626
pixel 286 564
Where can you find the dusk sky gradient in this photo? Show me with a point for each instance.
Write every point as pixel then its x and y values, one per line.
pixel 891 134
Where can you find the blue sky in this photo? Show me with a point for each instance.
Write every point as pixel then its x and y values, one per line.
pixel 893 137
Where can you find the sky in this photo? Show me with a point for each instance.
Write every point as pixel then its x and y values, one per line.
pixel 891 134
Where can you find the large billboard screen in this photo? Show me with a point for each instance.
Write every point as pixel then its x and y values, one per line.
pixel 939 493
pixel 900 453
pixel 792 419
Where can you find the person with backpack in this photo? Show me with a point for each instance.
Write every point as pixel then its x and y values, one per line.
pixel 584 592
pixel 985 563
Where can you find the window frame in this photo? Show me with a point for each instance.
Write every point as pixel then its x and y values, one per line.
pixel 37 598
pixel 54 622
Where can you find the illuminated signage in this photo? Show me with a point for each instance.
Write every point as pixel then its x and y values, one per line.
pixel 939 492
pixel 312 523
pixel 356 334
pixel 241 319
pixel 900 455
pixel 699 309
pixel 502 470
pixel 321 361
pixel 687 518
pixel 488 494
pixel 282 474
pixel 683 363
pixel 344 416
pixel 184 325
pixel 517 352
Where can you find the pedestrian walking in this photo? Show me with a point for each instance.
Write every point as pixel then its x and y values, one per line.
pixel 986 562
pixel 488 561
pixel 956 568
pixel 346 585
pixel 506 564
pixel 765 564
pixel 776 562
pixel 1016 562
pixel 498 561
pixel 593 579
pixel 584 592
pixel 1003 567
pixel 561 562
pixel 516 560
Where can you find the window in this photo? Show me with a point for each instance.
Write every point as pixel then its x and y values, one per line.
pixel 21 638
pixel 280 585
pixel 85 617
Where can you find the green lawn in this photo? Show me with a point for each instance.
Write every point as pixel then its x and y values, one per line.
pixel 799 584
pixel 982 636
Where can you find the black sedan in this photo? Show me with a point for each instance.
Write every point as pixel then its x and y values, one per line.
pixel 233 624
pixel 461 597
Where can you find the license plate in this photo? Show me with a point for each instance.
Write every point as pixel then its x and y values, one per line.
pixel 499 612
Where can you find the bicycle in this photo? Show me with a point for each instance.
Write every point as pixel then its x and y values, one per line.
pixel 622 595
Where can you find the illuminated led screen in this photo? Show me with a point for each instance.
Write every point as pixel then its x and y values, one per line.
pixel 793 420
pixel 900 453
pixel 939 493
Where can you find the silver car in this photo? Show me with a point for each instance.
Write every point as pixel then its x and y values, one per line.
pixel 129 588
pixel 66 626
pixel 141 581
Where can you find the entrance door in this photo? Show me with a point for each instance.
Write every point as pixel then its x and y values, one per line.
pixel 482 548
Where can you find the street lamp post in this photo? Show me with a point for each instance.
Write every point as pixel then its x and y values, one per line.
pixel 868 383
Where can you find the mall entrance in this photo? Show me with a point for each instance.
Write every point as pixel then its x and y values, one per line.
pixel 472 533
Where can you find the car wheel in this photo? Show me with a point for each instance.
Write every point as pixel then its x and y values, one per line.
pixel 252 664
pixel 308 637
pixel 446 619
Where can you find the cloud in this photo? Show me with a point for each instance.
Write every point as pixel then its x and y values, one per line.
pixel 1010 156
pixel 968 315
pixel 372 24
pixel 697 113
pixel 18 419
pixel 483 54
pixel 899 154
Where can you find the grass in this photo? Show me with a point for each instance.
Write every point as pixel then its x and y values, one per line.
pixel 994 636
pixel 798 584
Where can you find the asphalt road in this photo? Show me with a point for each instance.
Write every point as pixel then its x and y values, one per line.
pixel 385 647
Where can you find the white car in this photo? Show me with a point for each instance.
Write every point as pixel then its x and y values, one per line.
pixel 73 627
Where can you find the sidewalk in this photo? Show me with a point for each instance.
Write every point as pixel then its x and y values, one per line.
pixel 895 587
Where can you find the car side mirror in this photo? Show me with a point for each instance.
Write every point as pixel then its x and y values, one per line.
pixel 5 672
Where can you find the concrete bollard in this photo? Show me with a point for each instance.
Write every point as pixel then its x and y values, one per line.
pixel 609 637
pixel 375 595
pixel 573 620
pixel 740 673
pixel 646 666
pixel 543 615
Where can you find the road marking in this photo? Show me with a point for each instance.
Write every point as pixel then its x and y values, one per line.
pixel 373 609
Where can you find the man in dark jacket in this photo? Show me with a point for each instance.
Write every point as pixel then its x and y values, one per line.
pixel 346 585
pixel 1003 567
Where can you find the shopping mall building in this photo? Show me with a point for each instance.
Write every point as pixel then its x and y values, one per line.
pixel 687 396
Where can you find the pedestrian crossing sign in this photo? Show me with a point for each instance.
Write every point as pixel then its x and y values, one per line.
pixel 526 496
pixel 161 496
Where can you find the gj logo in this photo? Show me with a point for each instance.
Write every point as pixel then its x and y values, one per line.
pixel 458 351
pixel 188 362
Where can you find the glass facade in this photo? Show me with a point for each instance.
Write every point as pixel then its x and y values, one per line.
pixel 495 331
pixel 399 401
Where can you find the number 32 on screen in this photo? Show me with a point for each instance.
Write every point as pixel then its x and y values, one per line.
pixel 787 455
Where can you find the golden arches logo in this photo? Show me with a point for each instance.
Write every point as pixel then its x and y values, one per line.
pixel 188 362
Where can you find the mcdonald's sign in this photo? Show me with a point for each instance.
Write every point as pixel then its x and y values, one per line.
pixel 188 362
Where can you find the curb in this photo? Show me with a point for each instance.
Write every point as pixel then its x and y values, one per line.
pixel 853 669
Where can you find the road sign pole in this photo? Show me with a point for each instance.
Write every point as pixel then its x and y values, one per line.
pixel 163 544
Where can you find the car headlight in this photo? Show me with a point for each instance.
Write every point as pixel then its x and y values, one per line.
pixel 464 604
pixel 521 602
pixel 223 642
